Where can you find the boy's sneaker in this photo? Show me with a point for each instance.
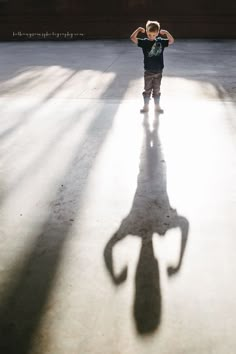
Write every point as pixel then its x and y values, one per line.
pixel 145 109
pixel 158 109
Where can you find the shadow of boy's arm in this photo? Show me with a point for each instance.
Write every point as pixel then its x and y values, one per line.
pixel 183 224
pixel 108 257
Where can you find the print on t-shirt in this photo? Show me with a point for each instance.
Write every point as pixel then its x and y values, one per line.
pixel 156 49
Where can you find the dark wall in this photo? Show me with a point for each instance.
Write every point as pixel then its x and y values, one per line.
pixel 73 19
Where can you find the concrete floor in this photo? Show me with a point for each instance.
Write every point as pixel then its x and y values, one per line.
pixel 89 187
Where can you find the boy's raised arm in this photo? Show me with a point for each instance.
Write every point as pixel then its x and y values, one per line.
pixel 133 36
pixel 168 35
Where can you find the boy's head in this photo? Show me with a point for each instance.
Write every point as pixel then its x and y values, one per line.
pixel 152 29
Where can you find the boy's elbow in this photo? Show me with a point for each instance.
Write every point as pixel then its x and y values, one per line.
pixel 134 40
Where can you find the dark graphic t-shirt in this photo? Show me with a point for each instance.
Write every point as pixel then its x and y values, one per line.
pixel 153 53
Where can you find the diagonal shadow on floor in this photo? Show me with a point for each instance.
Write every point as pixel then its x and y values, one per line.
pixel 32 278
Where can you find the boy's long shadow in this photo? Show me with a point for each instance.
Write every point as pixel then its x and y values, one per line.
pixel 151 213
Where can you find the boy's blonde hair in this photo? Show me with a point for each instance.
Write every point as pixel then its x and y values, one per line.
pixel 153 26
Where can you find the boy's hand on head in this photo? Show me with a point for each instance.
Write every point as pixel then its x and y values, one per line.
pixel 134 35
pixel 167 34
pixel 141 29
pixel 163 32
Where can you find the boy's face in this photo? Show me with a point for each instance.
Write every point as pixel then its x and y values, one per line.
pixel 152 35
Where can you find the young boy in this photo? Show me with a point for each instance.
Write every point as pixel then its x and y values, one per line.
pixel 153 48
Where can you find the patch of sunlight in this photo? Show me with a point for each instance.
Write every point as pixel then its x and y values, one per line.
pixel 126 254
pixel 44 151
pixel 189 89
pixel 177 87
pixel 167 249
pixel 199 152
pixel 135 88
pixel 56 81
pixel 33 76
pixel 113 178
pixel 97 85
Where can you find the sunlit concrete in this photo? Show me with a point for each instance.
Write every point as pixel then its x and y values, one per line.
pixel 117 230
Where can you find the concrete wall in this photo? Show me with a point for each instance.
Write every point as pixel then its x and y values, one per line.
pixel 73 19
